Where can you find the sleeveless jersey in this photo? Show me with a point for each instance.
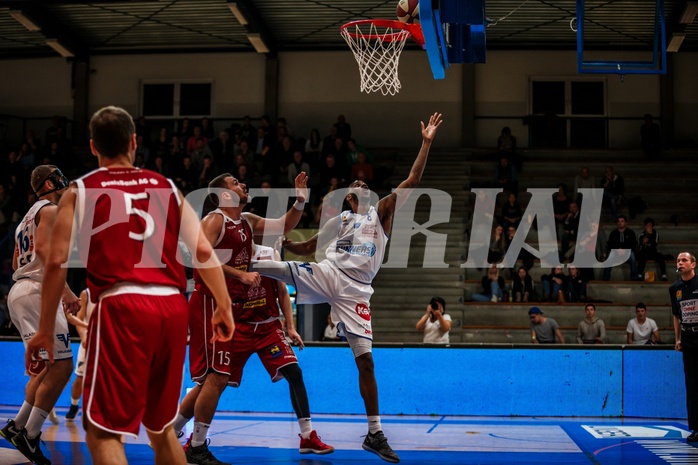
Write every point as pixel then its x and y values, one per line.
pixel 129 221
pixel 28 264
pixel 360 245
pixel 234 248
pixel 260 304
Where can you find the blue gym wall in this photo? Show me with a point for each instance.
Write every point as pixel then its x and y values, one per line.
pixel 540 381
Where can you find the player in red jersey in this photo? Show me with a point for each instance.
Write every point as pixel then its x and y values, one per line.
pixel 231 232
pixel 127 224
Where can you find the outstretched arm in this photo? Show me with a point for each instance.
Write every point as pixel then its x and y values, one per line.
pixel 321 239
pixel 290 219
pixel 387 206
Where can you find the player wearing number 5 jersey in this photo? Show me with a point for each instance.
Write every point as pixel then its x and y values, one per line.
pixel 230 231
pixel 127 223
pixel 24 302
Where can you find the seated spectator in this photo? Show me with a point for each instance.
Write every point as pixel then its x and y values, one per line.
pixel 298 165
pixel 591 330
pixel 506 143
pixel 524 255
pixel 244 176
pixel 362 165
pixel 161 146
pixel 505 176
pixel 544 330
pixel 330 334
pixel 186 176
pixel 313 148
pixel 207 173
pixel 329 210
pixel 206 128
pixel 598 247
pixel 584 180
pixel 576 285
pixel 623 238
pixel 200 152
pixel 328 171
pixel 435 323
pixel 570 226
pixel 353 150
pixel 554 286
pixel 647 243
pixel 142 149
pixel 223 150
pixel 642 330
pixel 511 212
pixel 343 127
pixel 492 287
pixel 192 142
pixel 523 289
pixel 561 206
pixel 613 189
pixel 498 245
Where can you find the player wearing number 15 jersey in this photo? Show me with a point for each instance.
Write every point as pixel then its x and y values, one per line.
pixel 127 225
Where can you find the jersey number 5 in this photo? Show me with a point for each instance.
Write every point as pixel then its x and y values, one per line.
pixel 132 210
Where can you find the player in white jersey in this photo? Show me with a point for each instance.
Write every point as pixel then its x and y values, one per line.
pixel 354 256
pixel 24 302
pixel 80 322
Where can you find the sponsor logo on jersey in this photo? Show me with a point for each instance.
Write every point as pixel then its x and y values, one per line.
pixel 153 181
pixel 689 311
pixel 256 303
pixel 345 219
pixel 242 257
pixel 275 351
pixel 363 311
pixel 369 231
pixel 256 292
pixel 64 338
pixel 678 294
pixel 367 249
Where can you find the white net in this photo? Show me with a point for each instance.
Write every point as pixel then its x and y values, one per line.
pixel 377 51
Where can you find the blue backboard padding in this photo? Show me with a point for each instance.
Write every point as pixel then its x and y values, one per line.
pixel 469 381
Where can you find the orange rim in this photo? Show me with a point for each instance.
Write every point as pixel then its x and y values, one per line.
pixel 415 30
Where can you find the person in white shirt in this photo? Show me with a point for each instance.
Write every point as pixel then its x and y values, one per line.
pixel 642 330
pixel 330 331
pixel 435 324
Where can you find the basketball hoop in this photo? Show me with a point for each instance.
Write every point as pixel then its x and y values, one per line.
pixel 377 44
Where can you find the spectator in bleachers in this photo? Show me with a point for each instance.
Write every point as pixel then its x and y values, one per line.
pixel 331 334
pixel 613 190
pixel 353 149
pixel 506 146
pixel 142 149
pixel 328 171
pixel 524 255
pixel 522 288
pixel 599 248
pixel 194 141
pixel 244 176
pixel 651 137
pixel 313 149
pixel 51 134
pixel 33 141
pixel 297 166
pixel 647 250
pixel 223 150
pixel 175 149
pixel 591 330
pixel 143 130
pixel 184 131
pixel 159 166
pixel 201 150
pixel 576 285
pixel 505 176
pixel 328 142
pixel 435 323
pixel 186 175
pixel 362 166
pixel 207 172
pixel 27 157
pixel 161 145
pixel 343 128
pixel 544 330
pixel 207 128
pixel 493 286
pixel 554 286
pixel 623 238
pixel 511 212
pixel 642 330
pixel 584 180
pixel 570 226
pixel 247 132
pixel 561 206
pixel 262 145
pixel 498 245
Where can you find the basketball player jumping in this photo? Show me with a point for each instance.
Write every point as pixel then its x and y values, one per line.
pixel 358 240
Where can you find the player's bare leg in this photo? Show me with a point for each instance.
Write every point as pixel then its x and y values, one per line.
pixel 186 410
pixel 51 387
pixel 167 448
pixel 376 441
pixel 197 451
pixel 105 448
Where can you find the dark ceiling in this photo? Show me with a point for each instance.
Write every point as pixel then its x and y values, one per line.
pixel 136 26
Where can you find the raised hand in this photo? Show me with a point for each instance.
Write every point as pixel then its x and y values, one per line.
pixel 301 184
pixel 429 131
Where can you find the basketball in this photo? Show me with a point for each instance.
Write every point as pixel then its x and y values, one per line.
pixel 408 11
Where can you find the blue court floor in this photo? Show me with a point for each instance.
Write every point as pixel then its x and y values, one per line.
pixel 251 438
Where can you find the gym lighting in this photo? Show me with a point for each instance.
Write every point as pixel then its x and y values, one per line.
pixel 238 13
pixel 258 43
pixel 27 22
pixel 689 13
pixel 59 48
pixel 675 42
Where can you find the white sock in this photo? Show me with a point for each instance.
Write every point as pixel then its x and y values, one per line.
pixel 374 424
pixel 35 422
pixel 180 422
pixel 23 415
pixel 74 401
pixel 306 425
pixel 200 433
